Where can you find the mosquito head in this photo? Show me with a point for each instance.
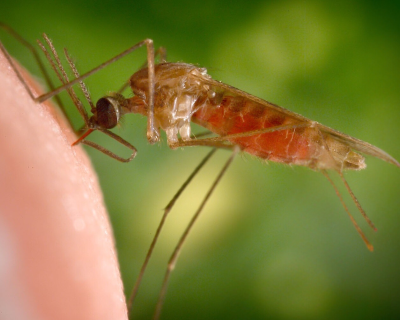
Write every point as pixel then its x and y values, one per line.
pixel 108 111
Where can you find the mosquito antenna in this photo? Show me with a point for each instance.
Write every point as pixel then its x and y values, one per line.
pixel 167 209
pixel 178 248
pixel 360 232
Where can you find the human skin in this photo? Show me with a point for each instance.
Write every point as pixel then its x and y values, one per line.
pixel 57 253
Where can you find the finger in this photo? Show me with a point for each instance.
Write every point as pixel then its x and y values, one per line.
pixel 57 254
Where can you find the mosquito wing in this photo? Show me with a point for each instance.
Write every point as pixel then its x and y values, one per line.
pixel 359 145
pixel 353 143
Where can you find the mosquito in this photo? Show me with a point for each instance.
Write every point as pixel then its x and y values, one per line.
pixel 172 95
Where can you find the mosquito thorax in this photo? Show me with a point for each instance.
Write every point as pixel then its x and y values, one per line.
pixel 108 111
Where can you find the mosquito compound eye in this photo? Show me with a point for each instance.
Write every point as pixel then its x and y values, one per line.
pixel 107 112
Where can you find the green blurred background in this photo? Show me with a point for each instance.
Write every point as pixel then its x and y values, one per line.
pixel 273 242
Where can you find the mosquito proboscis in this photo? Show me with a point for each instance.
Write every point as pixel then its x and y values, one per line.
pixel 172 95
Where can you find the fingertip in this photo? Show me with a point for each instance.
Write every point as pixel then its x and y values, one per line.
pixel 61 261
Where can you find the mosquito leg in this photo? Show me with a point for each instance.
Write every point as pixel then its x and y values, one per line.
pixel 39 62
pixel 371 224
pixel 121 141
pixel 15 68
pixel 178 248
pixel 368 244
pixel 162 52
pixel 48 95
pixel 153 135
pixel 356 202
pixel 104 150
pixel 200 134
pixel 360 232
pixel 167 209
pixel 224 141
pixel 107 152
pixel 201 142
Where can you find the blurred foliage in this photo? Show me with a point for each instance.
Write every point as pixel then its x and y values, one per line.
pixel 273 242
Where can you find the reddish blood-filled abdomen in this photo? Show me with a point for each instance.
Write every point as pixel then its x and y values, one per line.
pixel 237 114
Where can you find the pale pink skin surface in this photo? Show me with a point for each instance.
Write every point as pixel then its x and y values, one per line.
pixel 57 254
